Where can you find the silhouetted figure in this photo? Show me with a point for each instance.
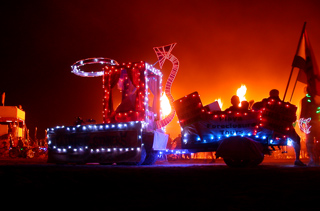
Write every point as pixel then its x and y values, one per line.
pixel 244 105
pixel 79 121
pixel 235 101
pixel 309 109
pixel 274 94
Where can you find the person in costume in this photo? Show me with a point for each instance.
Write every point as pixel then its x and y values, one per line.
pixel 310 108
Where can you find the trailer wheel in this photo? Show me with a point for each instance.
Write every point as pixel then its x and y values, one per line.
pixel 237 163
pixel 151 158
pixel 14 152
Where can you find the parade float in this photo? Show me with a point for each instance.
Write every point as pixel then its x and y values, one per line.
pixel 133 131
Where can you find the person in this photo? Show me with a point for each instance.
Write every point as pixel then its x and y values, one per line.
pixel 291 133
pixel 235 101
pixel 309 109
pixel 273 94
pixel 244 105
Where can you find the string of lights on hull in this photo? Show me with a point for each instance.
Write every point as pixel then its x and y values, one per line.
pixel 75 147
pixel 196 139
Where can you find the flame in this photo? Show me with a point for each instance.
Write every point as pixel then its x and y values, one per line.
pixel 241 93
pixel 165 105
pixel 220 102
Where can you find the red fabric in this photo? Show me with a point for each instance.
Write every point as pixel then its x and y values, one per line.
pixel 135 73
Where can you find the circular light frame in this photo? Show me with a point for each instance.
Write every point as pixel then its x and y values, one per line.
pixel 76 67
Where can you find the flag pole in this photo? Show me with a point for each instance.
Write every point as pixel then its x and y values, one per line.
pixel 294 87
pixel 285 93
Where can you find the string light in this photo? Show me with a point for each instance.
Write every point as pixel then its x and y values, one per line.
pixel 76 67
pixel 304 125
pixel 55 145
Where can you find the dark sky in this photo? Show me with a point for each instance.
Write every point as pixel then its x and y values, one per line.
pixel 221 45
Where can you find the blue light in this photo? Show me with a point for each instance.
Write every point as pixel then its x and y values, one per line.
pixel 289 142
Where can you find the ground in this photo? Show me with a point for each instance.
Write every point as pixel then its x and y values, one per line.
pixel 274 184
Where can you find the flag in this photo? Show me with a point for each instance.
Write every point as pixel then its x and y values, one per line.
pixel 305 61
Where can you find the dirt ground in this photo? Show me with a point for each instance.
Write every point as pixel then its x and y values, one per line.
pixel 275 184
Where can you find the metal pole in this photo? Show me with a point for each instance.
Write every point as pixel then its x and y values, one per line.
pixel 294 87
pixel 285 93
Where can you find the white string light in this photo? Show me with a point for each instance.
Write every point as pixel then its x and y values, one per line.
pixel 134 125
pixel 76 67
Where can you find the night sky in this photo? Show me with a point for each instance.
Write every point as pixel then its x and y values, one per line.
pixel 221 45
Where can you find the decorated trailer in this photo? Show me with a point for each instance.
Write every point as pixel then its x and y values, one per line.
pixel 129 132
pixel 133 131
pixel 240 137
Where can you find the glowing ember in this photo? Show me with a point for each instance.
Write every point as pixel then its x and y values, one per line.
pixel 241 93
pixel 220 102
pixel 165 105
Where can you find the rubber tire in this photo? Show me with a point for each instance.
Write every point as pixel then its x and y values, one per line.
pixel 151 158
pixel 14 152
pixel 235 163
pixel 242 163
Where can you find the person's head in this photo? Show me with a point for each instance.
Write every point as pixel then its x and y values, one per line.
pixel 244 104
pixel 274 93
pixel 235 100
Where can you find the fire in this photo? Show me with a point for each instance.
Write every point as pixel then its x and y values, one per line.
pixel 165 105
pixel 241 93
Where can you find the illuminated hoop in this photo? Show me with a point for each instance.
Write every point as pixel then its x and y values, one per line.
pixel 304 125
pixel 76 67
